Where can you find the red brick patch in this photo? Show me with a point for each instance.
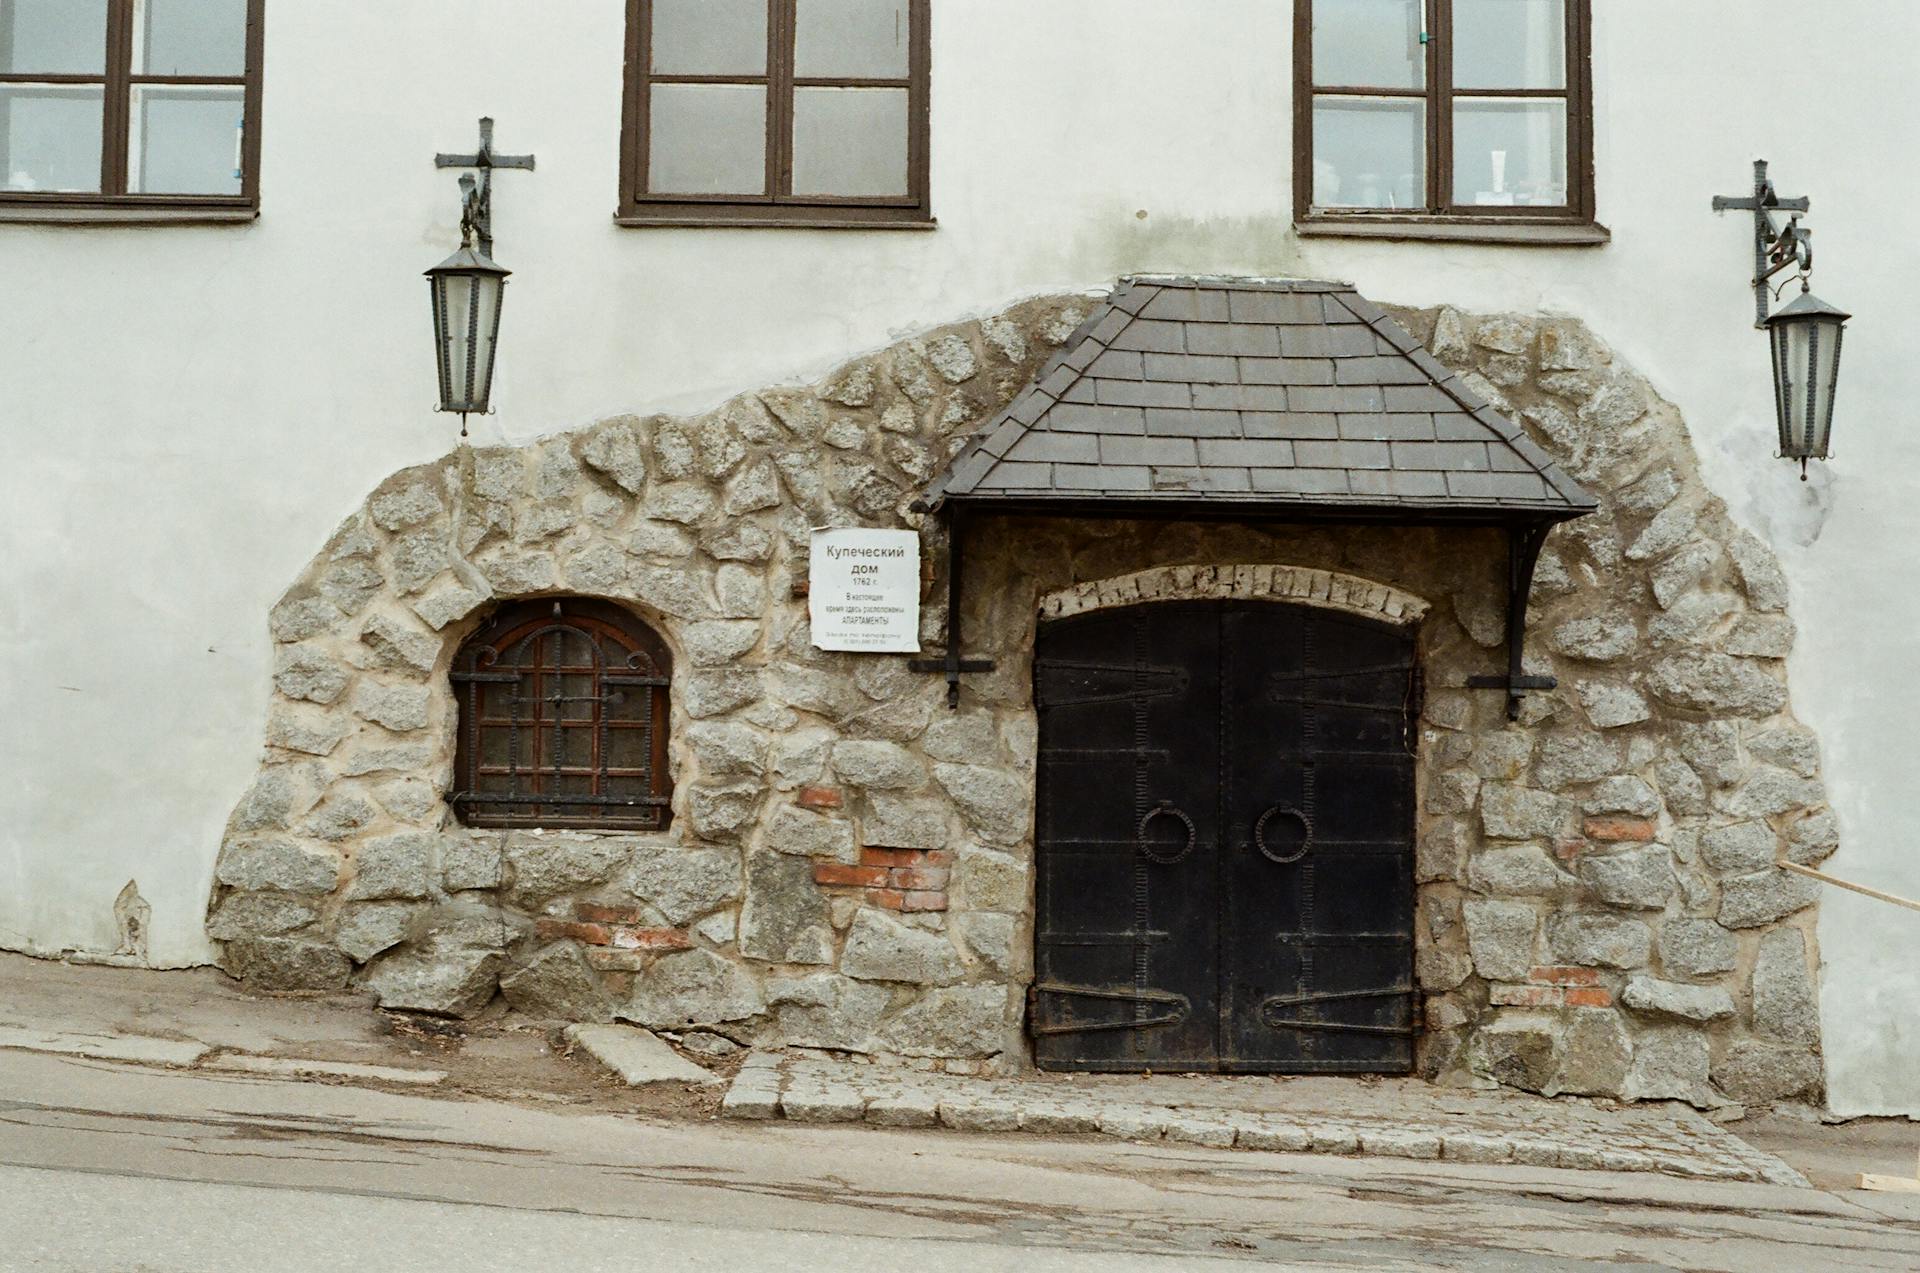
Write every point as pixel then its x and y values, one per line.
pixel 1563 975
pixel 591 913
pixel 898 879
pixel 623 935
pixel 1619 829
pixel 819 798
pixel 1549 996
pixel 591 934
pixel 932 878
pixel 839 875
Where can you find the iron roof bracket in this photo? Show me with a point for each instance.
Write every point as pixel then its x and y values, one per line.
pixel 951 664
pixel 1524 542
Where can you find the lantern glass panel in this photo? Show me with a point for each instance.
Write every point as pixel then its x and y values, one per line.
pixel 466 319
pixel 1806 370
pixel 1826 355
pixel 1789 395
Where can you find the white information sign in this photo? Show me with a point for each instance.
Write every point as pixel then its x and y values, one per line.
pixel 863 590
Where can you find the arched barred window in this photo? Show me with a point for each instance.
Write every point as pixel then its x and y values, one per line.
pixel 563 719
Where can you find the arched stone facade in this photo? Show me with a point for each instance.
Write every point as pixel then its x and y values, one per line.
pixel 849 864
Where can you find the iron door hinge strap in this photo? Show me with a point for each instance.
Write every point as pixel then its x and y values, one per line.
pixel 1270 1010
pixel 1173 1008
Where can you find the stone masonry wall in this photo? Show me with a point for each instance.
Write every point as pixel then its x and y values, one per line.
pixel 849 864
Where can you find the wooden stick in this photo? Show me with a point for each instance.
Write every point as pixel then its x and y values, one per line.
pixel 1836 881
pixel 1891 1184
pixel 1888 1184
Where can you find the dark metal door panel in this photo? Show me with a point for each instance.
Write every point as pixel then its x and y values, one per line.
pixel 1317 950
pixel 1128 835
pixel 1225 830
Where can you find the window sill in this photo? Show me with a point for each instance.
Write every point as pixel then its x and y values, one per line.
pixel 124 215
pixel 643 220
pixel 1457 230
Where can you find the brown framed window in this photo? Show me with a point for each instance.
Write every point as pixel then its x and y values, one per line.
pixel 776 112
pixel 563 719
pixel 132 106
pixel 1465 112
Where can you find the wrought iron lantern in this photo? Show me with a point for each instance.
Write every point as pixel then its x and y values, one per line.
pixel 467 290
pixel 1806 334
pixel 1806 370
pixel 469 286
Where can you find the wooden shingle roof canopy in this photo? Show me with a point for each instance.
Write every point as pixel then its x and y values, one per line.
pixel 1256 396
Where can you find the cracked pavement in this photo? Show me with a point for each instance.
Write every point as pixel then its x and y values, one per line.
pixel 517 1156
pixel 106 1165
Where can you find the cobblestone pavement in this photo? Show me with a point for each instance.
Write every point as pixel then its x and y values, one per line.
pixel 1393 1118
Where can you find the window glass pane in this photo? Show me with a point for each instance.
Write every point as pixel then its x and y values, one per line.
pixel 494 752
pixel 1509 153
pixel 709 37
pixel 707 139
pixel 185 140
pixel 570 647
pixel 850 39
pixel 850 141
pixel 628 748
pixel 1368 44
pixel 576 747
pixel 577 690
pixel 190 37
pixel 1509 43
pixel 50 137
pixel 496 700
pixel 1369 153
pixel 53 37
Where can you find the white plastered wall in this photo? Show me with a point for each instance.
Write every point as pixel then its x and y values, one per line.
pixel 188 412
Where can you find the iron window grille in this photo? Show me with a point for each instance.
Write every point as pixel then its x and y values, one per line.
pixel 823 64
pixel 153 76
pixel 1439 93
pixel 563 720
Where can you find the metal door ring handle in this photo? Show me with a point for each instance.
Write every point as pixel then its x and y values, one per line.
pixel 1165 808
pixel 1260 834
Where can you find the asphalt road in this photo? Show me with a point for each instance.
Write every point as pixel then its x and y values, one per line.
pixel 125 1168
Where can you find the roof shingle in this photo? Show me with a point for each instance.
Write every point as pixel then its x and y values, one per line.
pixel 1290 393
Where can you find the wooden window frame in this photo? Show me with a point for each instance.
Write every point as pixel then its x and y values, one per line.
pixel 1573 224
pixel 778 207
pixel 113 203
pixel 649 672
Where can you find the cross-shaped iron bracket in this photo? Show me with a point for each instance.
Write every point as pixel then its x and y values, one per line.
pixel 476 198
pixel 1775 247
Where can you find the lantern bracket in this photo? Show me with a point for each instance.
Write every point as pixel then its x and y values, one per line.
pixel 476 196
pixel 1775 247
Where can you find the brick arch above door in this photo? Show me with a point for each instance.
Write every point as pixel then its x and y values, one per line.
pixel 1301 585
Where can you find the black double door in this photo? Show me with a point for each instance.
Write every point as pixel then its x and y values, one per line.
pixel 1225 829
